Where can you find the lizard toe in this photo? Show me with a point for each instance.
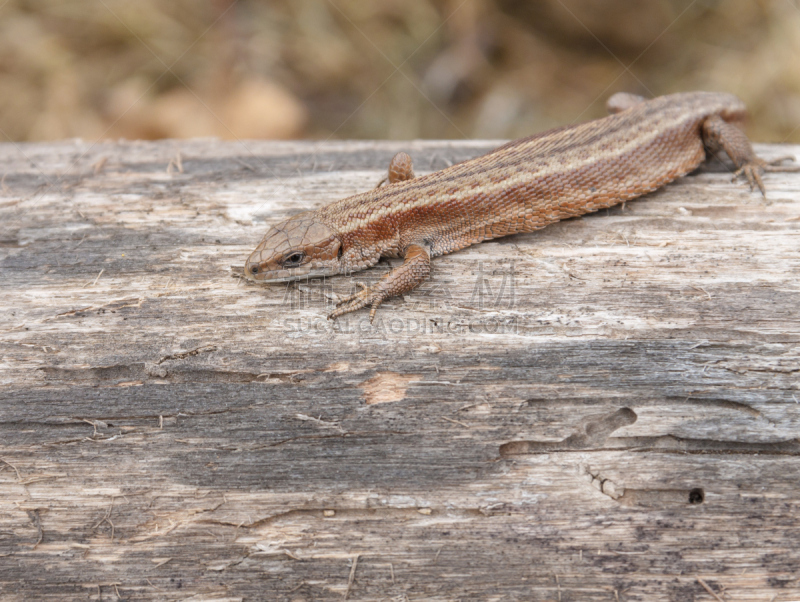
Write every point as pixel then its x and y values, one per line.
pixel 354 296
pixel 775 164
pixel 367 296
pixel 752 171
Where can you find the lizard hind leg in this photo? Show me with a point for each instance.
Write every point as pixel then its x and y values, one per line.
pixel 415 269
pixel 719 134
pixel 401 168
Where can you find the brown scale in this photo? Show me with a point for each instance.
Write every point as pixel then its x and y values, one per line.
pixel 520 187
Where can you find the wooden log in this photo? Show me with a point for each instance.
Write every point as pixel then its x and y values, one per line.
pixel 607 409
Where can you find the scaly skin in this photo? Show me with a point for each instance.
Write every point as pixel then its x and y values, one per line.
pixel 520 187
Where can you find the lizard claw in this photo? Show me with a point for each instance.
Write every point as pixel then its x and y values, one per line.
pixel 752 171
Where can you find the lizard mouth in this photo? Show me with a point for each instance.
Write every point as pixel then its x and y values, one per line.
pixel 290 274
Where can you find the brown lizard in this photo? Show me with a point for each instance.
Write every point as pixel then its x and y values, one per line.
pixel 520 187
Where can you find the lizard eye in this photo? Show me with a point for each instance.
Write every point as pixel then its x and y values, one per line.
pixel 293 259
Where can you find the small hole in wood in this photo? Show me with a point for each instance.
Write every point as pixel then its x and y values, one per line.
pixel 696 496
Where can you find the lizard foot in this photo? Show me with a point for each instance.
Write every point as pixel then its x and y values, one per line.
pixel 415 269
pixel 372 296
pixel 753 169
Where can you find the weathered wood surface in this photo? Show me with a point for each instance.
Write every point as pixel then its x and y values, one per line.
pixel 603 410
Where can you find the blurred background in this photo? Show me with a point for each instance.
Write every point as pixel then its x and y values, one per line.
pixel 383 69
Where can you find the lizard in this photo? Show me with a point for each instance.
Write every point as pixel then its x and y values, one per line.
pixel 519 187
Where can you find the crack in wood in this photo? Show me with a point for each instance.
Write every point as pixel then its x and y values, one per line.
pixel 689 400
pixel 36 519
pixel 329 513
pixel 594 435
pixel 184 354
pixel 660 498
pixel 663 443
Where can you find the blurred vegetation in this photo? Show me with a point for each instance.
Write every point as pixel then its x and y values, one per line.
pixel 380 68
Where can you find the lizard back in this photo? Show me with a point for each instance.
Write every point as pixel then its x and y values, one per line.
pixel 530 183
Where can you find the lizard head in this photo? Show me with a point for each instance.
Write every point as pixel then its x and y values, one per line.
pixel 300 247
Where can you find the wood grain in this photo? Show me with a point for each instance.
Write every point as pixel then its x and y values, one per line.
pixel 607 409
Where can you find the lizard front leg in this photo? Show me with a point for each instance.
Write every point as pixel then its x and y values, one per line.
pixel 719 134
pixel 415 269
pixel 401 168
pixel 622 101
